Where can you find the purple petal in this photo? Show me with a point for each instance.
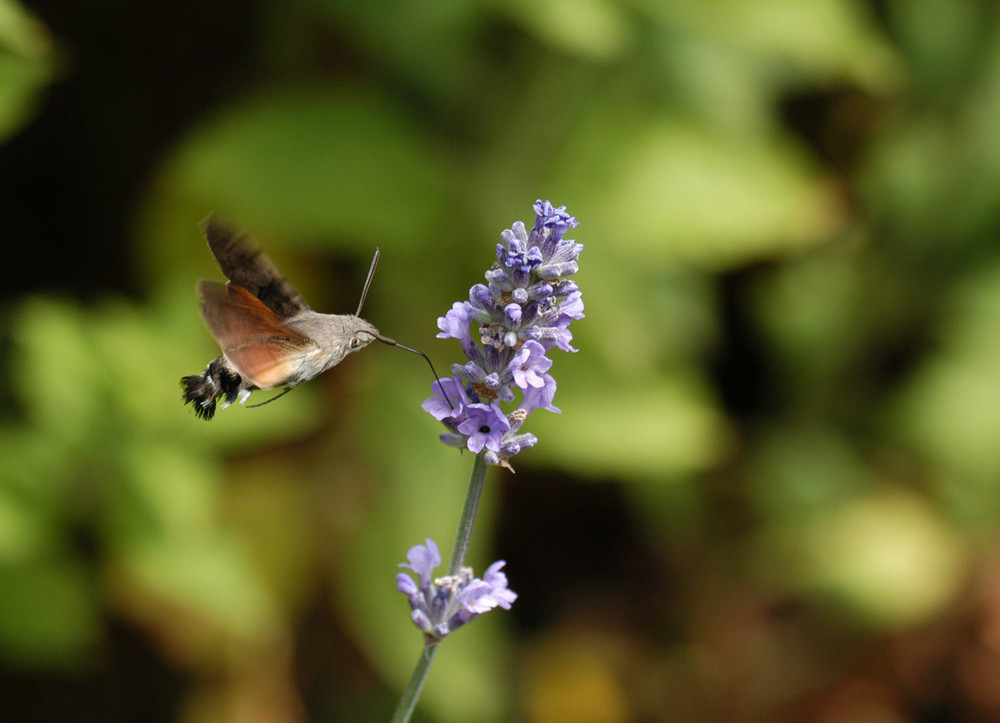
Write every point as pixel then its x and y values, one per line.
pixel 422 560
pixel 572 306
pixel 420 619
pixel 477 597
pixel 512 314
pixel 484 426
pixel 449 389
pixel 540 397
pixel 455 324
pixel 405 584
pixel 530 365
pixel 498 581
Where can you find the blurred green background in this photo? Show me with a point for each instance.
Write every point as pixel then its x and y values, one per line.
pixel 774 490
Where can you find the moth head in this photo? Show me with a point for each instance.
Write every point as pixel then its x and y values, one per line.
pixel 361 334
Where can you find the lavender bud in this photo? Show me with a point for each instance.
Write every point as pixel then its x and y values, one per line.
pixel 481 298
pixel 529 314
pixel 564 288
pixel 493 357
pixel 453 440
pixel 539 291
pixel 474 373
pixel 554 271
pixel 512 315
pixel 498 277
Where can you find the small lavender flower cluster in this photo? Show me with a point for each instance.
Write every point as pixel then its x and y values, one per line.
pixel 441 606
pixel 523 311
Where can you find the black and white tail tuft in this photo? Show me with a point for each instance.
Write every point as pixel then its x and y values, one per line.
pixel 218 381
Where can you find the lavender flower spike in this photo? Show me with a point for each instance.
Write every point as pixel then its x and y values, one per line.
pixel 441 606
pixel 523 312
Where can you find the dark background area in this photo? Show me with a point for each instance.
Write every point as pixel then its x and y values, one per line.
pixel 130 79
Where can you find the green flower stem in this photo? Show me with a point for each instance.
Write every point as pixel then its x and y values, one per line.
pixel 472 496
pixel 408 701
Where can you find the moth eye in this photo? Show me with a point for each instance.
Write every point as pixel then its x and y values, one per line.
pixel 355 342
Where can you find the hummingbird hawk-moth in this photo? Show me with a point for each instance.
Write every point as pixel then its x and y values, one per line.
pixel 269 335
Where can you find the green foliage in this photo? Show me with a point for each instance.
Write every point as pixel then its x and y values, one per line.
pixel 27 65
pixel 950 408
pixel 316 160
pixel 103 453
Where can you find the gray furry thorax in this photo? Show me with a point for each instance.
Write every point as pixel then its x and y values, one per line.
pixel 335 336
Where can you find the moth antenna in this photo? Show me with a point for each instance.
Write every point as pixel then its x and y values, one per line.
pixel 268 401
pixel 368 282
pixel 393 342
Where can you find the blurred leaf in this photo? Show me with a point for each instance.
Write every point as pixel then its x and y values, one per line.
pixel 208 579
pixel 592 29
pixel 693 196
pixel 930 174
pixel 49 613
pixel 26 65
pixel 274 515
pixel 942 39
pixel 715 82
pixel 25 531
pixel 646 430
pixel 315 162
pixel 887 558
pixel 20 32
pixel 36 474
pixel 169 495
pixel 445 62
pixel 950 410
pixel 811 312
pixel 640 319
pixel 824 39
pixel 821 315
pixel 977 128
pixel 803 470
pixel 919 180
pixel 58 370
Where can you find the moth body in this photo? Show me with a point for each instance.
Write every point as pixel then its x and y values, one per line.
pixel 334 336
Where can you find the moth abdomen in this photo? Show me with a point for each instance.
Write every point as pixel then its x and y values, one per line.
pixel 218 382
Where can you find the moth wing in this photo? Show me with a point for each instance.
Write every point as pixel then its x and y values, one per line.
pixel 251 335
pixel 243 263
